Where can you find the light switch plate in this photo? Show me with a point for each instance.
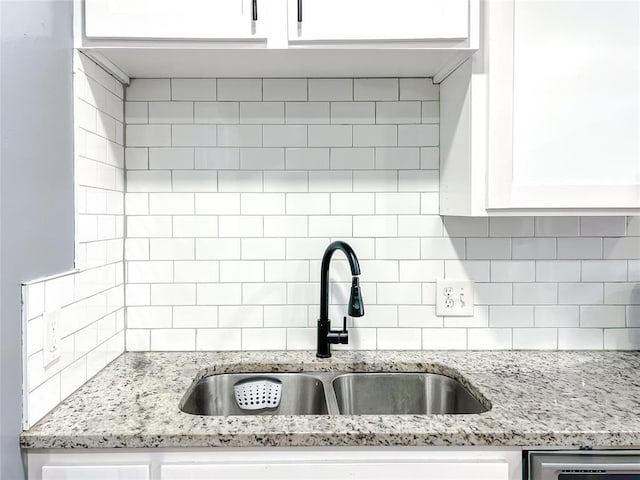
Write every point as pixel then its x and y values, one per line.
pixel 51 341
pixel 454 298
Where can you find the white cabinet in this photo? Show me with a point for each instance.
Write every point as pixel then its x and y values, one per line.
pixel 317 463
pixel 94 472
pixel 371 470
pixel 175 19
pixel 220 38
pixel 377 20
pixel 551 114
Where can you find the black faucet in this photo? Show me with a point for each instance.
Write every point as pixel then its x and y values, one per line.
pixel 326 336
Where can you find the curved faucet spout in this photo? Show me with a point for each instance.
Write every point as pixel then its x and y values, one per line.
pixel 326 336
pixel 324 272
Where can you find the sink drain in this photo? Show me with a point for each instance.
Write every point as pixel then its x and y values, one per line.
pixel 257 393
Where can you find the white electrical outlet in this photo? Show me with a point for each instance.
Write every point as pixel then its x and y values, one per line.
pixel 51 343
pixel 454 298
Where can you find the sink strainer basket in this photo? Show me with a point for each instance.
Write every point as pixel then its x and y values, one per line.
pixel 256 393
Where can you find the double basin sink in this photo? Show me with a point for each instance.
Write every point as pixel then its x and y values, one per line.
pixel 323 393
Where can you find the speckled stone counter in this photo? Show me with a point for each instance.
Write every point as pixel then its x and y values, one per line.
pixel 537 399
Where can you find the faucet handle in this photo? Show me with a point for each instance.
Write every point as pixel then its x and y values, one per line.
pixel 344 324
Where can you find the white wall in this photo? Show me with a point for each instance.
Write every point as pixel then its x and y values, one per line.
pixel 36 193
pixel 91 298
pixel 236 186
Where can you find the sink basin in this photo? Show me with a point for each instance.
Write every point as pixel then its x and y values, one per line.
pixel 301 395
pixel 402 393
pixel 331 393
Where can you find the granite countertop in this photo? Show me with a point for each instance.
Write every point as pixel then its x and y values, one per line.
pixel 538 398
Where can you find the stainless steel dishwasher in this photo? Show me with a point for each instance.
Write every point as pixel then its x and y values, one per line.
pixel 584 465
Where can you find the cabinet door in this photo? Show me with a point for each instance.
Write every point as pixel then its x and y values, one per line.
pixel 418 470
pixel 383 20
pixel 107 472
pixel 175 19
pixel 565 132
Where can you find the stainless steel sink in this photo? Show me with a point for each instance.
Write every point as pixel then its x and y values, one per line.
pixel 324 393
pixel 402 393
pixel 301 395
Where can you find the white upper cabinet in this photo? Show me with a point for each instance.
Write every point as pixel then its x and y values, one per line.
pixel 263 38
pixel 565 127
pixel 172 19
pixel 548 111
pixel 377 20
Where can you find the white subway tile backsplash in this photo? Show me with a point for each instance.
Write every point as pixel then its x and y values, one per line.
pixel 375 181
pixel 619 248
pixel 604 271
pixel 603 226
pixel 330 135
pixel 216 112
pixel 488 248
pixel 420 226
pixel 264 338
pixel 580 248
pixel 171 203
pixel 605 316
pixel 307 113
pixel 557 316
pixel 418 135
pixel 331 89
pixel 511 226
pixel 580 338
pixel 195 317
pixel 219 339
pixel 535 293
pixel 284 136
pixel 375 135
pixel 535 338
pixel 239 136
pixel 375 89
pixel 397 158
pixel 581 293
pixel 170 158
pixel 622 339
pixel 173 339
pixel 353 113
pixel 557 226
pixel 248 89
pixel 352 158
pixel 148 136
pixel 489 339
pixel 397 203
pixel 284 89
pixel 558 271
pixel 219 294
pixel 240 316
pixel 398 112
pixel 510 316
pixel 431 112
pixel 233 208
pixel 134 112
pixel 418 89
pixel 193 89
pixel 149 89
pixel 533 248
pixel 170 112
pixel 262 112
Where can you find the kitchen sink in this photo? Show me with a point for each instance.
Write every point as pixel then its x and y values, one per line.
pixel 402 393
pixel 331 393
pixel 302 394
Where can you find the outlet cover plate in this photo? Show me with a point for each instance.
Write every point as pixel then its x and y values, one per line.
pixel 454 298
pixel 51 340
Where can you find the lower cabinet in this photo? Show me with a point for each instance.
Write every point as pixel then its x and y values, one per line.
pixel 94 472
pixel 406 463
